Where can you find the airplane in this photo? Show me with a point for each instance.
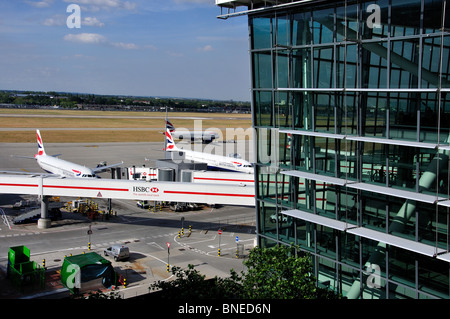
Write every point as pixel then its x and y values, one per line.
pixel 212 160
pixel 56 166
pixel 204 136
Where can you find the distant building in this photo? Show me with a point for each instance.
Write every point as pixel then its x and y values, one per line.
pixel 351 111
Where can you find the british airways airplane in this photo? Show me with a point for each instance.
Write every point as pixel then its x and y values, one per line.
pixel 212 160
pixel 56 166
pixel 204 136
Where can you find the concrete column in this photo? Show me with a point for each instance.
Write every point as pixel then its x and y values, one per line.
pixel 44 221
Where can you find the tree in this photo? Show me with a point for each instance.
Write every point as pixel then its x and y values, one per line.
pixel 272 273
pixel 190 284
pixel 278 273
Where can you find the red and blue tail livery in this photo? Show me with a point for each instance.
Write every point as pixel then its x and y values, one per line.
pixel 170 143
pixel 41 150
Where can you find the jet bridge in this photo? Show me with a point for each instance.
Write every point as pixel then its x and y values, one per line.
pixel 45 187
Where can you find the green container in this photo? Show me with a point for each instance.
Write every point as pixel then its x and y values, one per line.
pixel 21 270
pixel 18 254
pixel 85 271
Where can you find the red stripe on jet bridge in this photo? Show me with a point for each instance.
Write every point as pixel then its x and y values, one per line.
pixel 209 194
pixel 88 188
pixel 224 179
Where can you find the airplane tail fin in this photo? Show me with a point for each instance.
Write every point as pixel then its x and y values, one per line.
pixel 41 150
pixel 170 143
pixel 170 126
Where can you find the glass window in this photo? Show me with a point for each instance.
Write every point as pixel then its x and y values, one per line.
pixel 302 102
pixel 375 107
pixel 324 106
pixel 304 194
pixel 347 164
pixel 323 26
pixel 324 155
pixel 301 68
pixel 404 57
pixel 374 210
pixel 433 225
pixel 301 28
pixel 374 65
pixel 375 19
pixel 403 116
pixel 402 267
pixel 268 148
pixel 282 73
pixel 405 17
pixel 326 241
pixel 261 32
pixel 323 67
pixel 346 57
pixel 263 108
pixel 327 273
pixel 266 184
pixel 348 106
pixel 432 16
pixel 285 191
pixel 347 14
pixel 429 113
pixel 373 163
pixel 266 224
pixel 402 218
pixel 431 62
pixel 348 277
pixel 434 277
pixel 445 118
pixel 403 162
pixel 349 249
pixel 283 110
pixel 262 74
pixel 284 143
pixel 282 31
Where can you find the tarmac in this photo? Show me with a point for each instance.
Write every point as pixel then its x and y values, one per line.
pixel 141 270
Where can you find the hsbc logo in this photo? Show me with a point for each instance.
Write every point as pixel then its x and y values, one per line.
pixel 154 189
pixel 145 189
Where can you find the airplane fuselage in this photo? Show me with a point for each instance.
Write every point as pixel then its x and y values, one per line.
pixel 63 168
pixel 220 162
pixel 205 137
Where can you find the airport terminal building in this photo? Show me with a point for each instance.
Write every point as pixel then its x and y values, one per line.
pixel 351 110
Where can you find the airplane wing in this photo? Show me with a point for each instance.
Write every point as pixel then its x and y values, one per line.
pixel 20 156
pixel 27 173
pixel 32 157
pixel 103 168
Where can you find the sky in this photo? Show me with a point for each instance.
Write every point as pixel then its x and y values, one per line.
pixel 174 48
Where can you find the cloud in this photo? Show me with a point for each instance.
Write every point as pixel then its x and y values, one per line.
pixel 56 20
pixel 194 1
pixel 126 46
pixel 92 22
pixel 96 5
pixel 40 4
pixel 95 38
pixel 60 20
pixel 90 38
pixel 206 48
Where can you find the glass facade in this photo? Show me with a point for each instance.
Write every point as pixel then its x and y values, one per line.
pixel 351 112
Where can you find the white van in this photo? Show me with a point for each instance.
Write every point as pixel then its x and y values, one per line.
pixel 119 252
